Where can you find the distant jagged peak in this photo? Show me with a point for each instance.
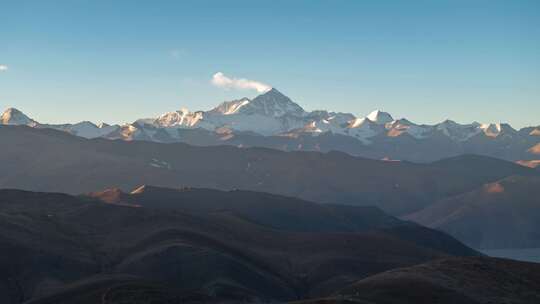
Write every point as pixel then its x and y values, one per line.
pixel 449 122
pixel 380 117
pixel 400 123
pixel 453 125
pixel 182 117
pixel 323 115
pixel 272 103
pixel 230 107
pixel 12 116
pixel 457 131
pixel 496 129
pixel 86 123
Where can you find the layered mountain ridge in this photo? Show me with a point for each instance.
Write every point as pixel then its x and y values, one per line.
pixel 72 164
pixel 500 214
pixel 273 120
pixel 198 246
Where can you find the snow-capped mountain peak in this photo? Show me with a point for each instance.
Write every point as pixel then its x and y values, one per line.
pixel 13 116
pixel 357 122
pixel 456 131
pixel 274 114
pixel 181 117
pixel 88 129
pixel 230 107
pixel 272 103
pixel 380 117
pixel 85 129
pixel 496 129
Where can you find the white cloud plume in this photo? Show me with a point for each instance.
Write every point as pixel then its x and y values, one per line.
pixel 220 80
pixel 3 67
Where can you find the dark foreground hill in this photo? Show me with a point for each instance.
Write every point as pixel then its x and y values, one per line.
pixel 479 280
pixel 58 248
pixel 502 214
pixel 283 213
pixel 280 212
pixel 49 160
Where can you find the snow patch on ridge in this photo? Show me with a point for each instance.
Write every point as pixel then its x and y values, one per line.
pixel 13 116
pixel 380 117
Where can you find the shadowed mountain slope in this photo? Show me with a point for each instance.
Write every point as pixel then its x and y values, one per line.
pixel 52 241
pixel 280 212
pixel 49 160
pixel 447 281
pixel 502 214
pixel 283 213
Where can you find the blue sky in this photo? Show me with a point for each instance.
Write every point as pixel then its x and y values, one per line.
pixel 117 61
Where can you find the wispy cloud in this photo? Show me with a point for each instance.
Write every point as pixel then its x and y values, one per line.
pixel 220 80
pixel 3 67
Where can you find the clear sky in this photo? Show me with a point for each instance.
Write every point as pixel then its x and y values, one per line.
pixel 116 61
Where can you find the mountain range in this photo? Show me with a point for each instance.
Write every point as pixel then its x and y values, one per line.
pixel 273 120
pixel 49 160
pixel 227 224
pixel 192 245
pixel 470 197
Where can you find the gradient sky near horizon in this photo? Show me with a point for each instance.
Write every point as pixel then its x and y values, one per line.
pixel 116 61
